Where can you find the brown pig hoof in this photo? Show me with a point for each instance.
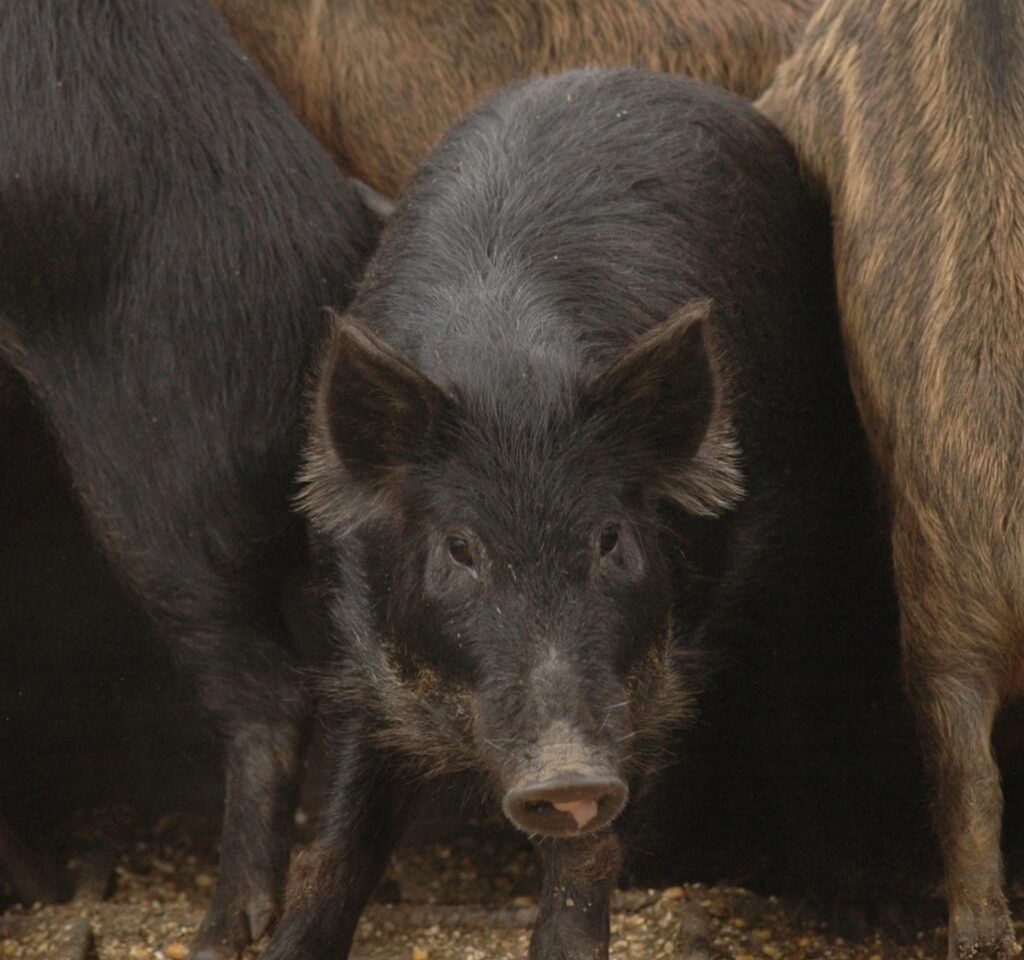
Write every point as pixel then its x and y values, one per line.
pixel 1006 948
pixel 986 938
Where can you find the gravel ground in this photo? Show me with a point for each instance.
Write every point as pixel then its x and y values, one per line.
pixel 467 897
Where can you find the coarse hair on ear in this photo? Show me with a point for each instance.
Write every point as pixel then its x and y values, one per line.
pixel 665 396
pixel 373 412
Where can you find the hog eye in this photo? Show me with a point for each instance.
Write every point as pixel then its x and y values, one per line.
pixel 609 539
pixel 460 551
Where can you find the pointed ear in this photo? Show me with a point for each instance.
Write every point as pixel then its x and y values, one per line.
pixel 380 407
pixel 665 395
pixel 373 411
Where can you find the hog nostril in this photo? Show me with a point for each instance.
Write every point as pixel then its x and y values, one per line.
pixel 567 804
pixel 582 811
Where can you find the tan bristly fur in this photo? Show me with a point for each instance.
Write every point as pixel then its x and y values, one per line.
pixel 910 116
pixel 379 81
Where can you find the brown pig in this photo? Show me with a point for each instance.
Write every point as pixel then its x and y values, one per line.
pixel 379 81
pixel 910 116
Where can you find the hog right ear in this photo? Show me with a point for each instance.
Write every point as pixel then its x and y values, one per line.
pixel 665 397
pixel 379 406
pixel 374 410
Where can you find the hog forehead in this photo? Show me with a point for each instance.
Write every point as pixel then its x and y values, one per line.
pixel 536 473
pixel 498 327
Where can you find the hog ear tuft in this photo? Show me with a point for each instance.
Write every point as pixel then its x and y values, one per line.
pixel 373 411
pixel 666 392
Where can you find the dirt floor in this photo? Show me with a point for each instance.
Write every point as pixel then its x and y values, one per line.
pixel 468 897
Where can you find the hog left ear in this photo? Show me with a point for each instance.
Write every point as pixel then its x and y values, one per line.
pixel 379 408
pixel 665 393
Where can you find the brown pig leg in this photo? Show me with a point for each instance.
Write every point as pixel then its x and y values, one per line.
pixel 953 679
pixel 579 876
pixel 956 722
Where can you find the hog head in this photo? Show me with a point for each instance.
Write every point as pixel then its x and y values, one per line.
pixel 519 568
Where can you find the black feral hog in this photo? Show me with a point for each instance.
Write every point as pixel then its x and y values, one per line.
pixel 910 117
pixel 585 423
pixel 169 235
pixel 380 81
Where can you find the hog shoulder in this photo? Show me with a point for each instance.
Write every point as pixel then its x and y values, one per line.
pixel 911 118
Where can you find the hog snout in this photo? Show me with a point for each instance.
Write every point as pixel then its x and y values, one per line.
pixel 564 780
pixel 567 804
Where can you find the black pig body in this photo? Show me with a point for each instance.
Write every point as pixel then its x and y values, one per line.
pixel 169 236
pixel 584 424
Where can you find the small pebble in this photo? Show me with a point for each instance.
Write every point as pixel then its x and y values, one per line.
pixel 673 893
pixel 524 901
pixel 176 951
pixel 420 953
pixel 139 952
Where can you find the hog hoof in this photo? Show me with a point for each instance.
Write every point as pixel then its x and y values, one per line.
pixel 1005 948
pixel 552 945
pixel 985 936
pixel 209 947
pixel 224 934
pixel 259 914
